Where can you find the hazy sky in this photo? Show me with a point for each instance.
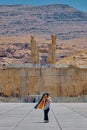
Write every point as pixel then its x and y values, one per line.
pixel 79 4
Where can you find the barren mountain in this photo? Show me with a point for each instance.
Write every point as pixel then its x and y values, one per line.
pixel 63 20
pixel 18 22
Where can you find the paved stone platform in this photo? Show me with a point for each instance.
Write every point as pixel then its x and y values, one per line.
pixel 23 116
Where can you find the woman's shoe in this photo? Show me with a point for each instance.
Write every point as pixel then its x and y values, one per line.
pixel 46 121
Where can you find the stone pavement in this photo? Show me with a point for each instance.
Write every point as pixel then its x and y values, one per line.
pixel 23 116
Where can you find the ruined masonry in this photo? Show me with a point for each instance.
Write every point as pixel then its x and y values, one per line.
pixel 35 78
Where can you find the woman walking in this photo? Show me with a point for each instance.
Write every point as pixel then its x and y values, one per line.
pixel 46 108
pixel 44 104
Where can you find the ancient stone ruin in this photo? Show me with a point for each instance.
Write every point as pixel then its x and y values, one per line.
pixel 38 77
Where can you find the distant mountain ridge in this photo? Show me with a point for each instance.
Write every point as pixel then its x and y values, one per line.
pixel 63 20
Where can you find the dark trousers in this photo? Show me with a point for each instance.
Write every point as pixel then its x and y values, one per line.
pixel 46 114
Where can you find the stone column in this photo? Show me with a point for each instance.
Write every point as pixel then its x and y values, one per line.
pixel 34 52
pixel 51 53
pixel 53 38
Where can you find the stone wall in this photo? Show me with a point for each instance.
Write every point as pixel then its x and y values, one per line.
pixel 66 81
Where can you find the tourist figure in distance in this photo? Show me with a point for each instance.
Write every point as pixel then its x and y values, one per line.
pixel 47 100
pixel 28 97
pixel 44 104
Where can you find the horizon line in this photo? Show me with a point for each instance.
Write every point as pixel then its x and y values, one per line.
pixel 33 5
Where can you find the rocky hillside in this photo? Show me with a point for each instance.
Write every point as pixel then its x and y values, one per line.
pixel 63 20
pixel 78 59
pixel 18 22
pixel 17 49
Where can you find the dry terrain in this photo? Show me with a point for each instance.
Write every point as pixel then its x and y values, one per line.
pixel 17 49
pixel 64 21
pixel 18 22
